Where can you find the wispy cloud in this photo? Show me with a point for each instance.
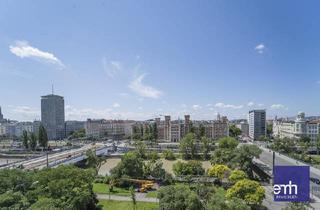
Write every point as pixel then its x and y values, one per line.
pixel 260 48
pixel 144 90
pixel 196 107
pixel 111 67
pixel 22 49
pixel 115 105
pixel 250 103
pixel 278 106
pixel 24 113
pixel 228 106
pixel 318 82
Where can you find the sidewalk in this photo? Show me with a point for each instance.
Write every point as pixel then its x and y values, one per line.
pixel 139 197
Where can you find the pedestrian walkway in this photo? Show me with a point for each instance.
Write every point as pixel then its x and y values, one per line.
pixel 139 197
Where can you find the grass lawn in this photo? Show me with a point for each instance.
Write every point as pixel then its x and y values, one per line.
pixel 126 205
pixel 101 188
pixel 152 194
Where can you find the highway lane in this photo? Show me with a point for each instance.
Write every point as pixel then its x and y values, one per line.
pixel 41 162
pixel 282 160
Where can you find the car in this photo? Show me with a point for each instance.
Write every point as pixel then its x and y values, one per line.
pixel 315 180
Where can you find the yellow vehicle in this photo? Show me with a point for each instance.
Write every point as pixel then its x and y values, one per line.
pixel 144 185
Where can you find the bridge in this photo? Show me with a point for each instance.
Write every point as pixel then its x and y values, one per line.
pixel 264 163
pixel 60 158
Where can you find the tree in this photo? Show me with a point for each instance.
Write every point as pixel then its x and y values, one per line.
pixel 202 131
pixel 154 170
pixel 141 149
pixel 192 167
pixel 153 155
pixel 248 190
pixel 218 201
pixel 237 175
pixel 64 187
pixel 155 131
pixel 223 156
pixel 219 171
pixel 205 147
pixel 25 139
pixel 33 141
pixel 297 206
pixel 147 133
pixel 168 155
pixel 77 134
pixel 136 134
pixel 43 137
pixel 244 157
pixel 133 197
pixel 131 165
pixel 226 152
pixel 187 146
pixel 263 138
pixel 176 197
pixel 234 131
pixel 318 144
pixel 269 129
pixel 227 143
pixel 93 161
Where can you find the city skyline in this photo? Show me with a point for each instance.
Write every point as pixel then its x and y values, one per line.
pixel 142 59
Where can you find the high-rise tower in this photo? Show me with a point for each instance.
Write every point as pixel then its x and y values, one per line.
pixel 52 116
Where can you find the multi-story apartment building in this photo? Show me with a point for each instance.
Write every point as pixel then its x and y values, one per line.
pixel 52 116
pixel 257 124
pixel 23 126
pixel 244 127
pixel 72 126
pixel 174 130
pixel 36 125
pixel 2 130
pixel 300 127
pixel 115 129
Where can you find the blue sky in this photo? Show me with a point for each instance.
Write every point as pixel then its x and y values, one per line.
pixel 142 59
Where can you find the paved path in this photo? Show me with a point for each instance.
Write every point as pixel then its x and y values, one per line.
pixel 139 197
pixel 280 159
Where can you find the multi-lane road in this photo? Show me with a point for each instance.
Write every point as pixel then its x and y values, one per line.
pixel 41 162
pixel 281 160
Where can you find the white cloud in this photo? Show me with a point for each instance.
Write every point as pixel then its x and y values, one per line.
pixel 140 107
pixel 260 105
pixel 144 90
pixel 318 82
pixel 116 105
pixel 250 103
pixel 23 113
pixel 222 105
pixel 196 107
pixel 211 109
pixel 209 105
pixel 111 67
pixel 277 106
pixel 73 113
pixel 22 49
pixel 260 48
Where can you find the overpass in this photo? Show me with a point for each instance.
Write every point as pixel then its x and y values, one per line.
pixel 264 162
pixel 60 158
